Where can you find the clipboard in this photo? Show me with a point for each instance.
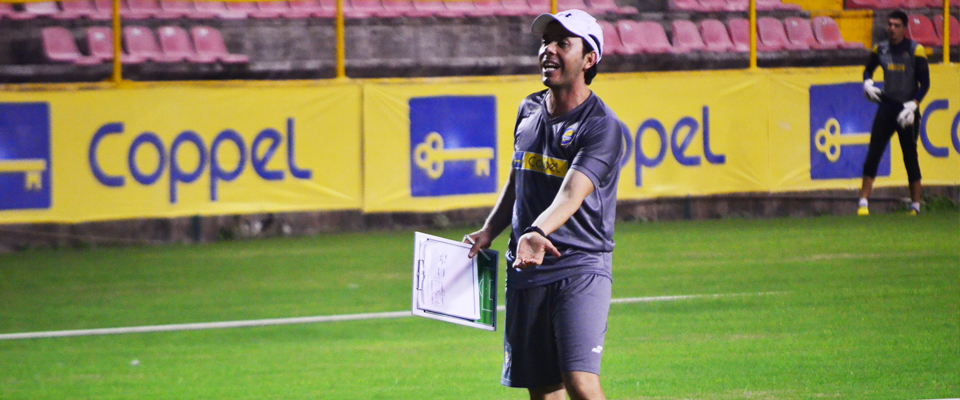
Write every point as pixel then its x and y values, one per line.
pixel 451 287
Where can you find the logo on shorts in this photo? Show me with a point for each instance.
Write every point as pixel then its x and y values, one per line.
pixel 453 142
pixel 840 123
pixel 598 349
pixel 24 156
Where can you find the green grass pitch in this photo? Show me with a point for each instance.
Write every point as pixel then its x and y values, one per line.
pixel 851 308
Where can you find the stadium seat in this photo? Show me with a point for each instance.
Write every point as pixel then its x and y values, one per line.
pixel 7 11
pixel 717 6
pixel 920 3
pixel 777 5
pixel 519 7
pixel 100 41
pixel 209 42
pixel 487 8
pixel 799 31
pixel 125 11
pixel 740 34
pixel 74 9
pixel 248 9
pixel 311 7
pixel 60 46
pixel 886 4
pixel 141 42
pixel 685 5
pixel 46 9
pixel 457 8
pixel 431 7
pixel 403 8
pixel 611 39
pixel 175 43
pixel 715 36
pixel 609 7
pixel 183 8
pixel 954 29
pixel 148 7
pixel 643 37
pixel 219 9
pixel 686 36
pixel 826 31
pixel 920 29
pixel 860 4
pixel 563 5
pixel 542 6
pixel 772 37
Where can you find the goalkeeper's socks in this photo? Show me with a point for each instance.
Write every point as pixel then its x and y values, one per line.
pixel 915 206
pixel 863 202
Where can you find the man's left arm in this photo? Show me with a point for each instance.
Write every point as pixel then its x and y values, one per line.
pixel 922 68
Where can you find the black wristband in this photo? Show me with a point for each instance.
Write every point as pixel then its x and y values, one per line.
pixel 532 228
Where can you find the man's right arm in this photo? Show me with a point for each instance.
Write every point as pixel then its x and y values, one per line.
pixel 499 219
pixel 872 64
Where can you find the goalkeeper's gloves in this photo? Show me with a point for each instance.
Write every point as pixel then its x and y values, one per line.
pixel 871 92
pixel 905 118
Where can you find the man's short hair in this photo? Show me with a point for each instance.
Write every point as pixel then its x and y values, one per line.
pixel 592 71
pixel 899 14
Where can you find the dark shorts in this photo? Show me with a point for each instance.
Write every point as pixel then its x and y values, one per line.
pixel 555 328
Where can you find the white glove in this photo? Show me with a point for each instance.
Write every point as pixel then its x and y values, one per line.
pixel 905 118
pixel 871 92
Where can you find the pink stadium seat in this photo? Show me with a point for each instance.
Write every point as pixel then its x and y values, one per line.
pixel 611 7
pixel 519 7
pixel 73 9
pixel 563 5
pixel 778 5
pixel 311 7
pixel 685 5
pixel 249 10
pixel 269 9
pixel 59 46
pixel 175 43
pixel 920 29
pixel 715 36
pixel 799 31
pixel 150 8
pixel 208 41
pixel 686 37
pixel 429 6
pixel 125 11
pixel 611 39
pixel 860 4
pixel 100 40
pixel 541 6
pixel 919 3
pixel 457 8
pixel 348 11
pixel 886 4
pixel 183 8
pixel 46 9
pixel 368 7
pixel 219 9
pixel 486 8
pixel 954 29
pixel 7 11
pixel 716 6
pixel 772 37
pixel 740 34
pixel 826 31
pixel 643 37
pixel 403 7
pixel 141 43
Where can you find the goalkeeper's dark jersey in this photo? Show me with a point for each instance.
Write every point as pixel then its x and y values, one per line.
pixel 906 75
pixel 587 139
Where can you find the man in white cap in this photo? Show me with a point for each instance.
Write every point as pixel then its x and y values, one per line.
pixel 560 202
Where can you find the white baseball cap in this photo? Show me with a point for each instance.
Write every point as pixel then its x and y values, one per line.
pixel 578 23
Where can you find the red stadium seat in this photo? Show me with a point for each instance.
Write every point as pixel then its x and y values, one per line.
pixel 686 36
pixel 643 37
pixel 106 6
pixel 715 36
pixel 563 5
pixel 886 4
pixel 777 5
pixel 799 31
pixel 100 40
pixel 46 9
pixel 7 11
pixel 610 7
pixel 826 31
pixel 716 6
pixel 920 29
pixel 860 4
pixel 954 29
pixel 209 42
pixel 920 3
pixel 59 46
pixel 611 39
pixel 141 43
pixel 311 7
pixel 740 34
pixel 486 8
pixel 457 8
pixel 247 9
pixel 73 9
pixel 175 43
pixel 772 37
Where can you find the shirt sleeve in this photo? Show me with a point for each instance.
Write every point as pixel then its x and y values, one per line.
pixel 922 69
pixel 599 150
pixel 872 64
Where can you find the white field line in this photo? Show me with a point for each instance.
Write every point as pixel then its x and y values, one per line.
pixel 316 319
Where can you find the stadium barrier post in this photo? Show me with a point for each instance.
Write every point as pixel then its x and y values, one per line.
pixel 341 54
pixel 553 6
pixel 946 32
pixel 117 77
pixel 753 34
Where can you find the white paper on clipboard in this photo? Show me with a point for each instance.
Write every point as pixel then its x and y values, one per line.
pixel 445 278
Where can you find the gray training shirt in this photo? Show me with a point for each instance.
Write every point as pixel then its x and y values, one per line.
pixel 587 139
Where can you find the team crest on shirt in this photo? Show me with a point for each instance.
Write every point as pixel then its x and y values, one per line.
pixel 567 137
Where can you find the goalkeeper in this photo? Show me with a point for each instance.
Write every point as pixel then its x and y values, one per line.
pixel 906 79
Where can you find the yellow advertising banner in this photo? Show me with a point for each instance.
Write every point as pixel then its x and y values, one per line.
pixel 444 144
pixel 178 150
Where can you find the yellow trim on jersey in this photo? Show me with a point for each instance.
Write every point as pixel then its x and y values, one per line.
pixel 919 51
pixel 875 47
pixel 544 164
